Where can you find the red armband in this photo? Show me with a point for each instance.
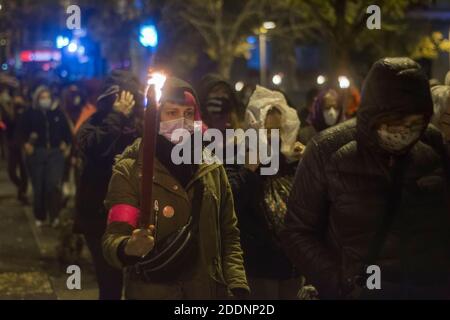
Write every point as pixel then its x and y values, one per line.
pixel 124 213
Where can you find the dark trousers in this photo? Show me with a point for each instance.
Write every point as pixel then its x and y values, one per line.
pixel 2 145
pixel 109 279
pixel 16 170
pixel 46 168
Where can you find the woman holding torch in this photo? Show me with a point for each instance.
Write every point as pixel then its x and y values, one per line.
pixel 190 249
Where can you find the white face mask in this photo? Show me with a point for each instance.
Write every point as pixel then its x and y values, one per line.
pixel 166 128
pixel 397 141
pixel 45 103
pixel 330 116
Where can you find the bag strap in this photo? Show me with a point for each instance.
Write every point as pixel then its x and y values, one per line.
pixel 394 199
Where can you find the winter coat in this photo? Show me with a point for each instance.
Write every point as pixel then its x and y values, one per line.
pixel 263 255
pixel 44 128
pixel 218 236
pixel 102 137
pixel 11 116
pixel 441 103
pixel 99 140
pixel 261 102
pixel 342 187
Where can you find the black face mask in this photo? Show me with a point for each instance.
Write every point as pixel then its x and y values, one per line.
pixel 219 105
pixel 182 172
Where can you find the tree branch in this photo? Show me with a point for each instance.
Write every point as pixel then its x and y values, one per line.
pixel 246 12
pixel 204 29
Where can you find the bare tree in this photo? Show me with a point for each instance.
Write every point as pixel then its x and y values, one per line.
pixel 222 25
pixel 342 24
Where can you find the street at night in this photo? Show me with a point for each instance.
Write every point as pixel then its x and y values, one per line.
pixel 233 158
pixel 29 268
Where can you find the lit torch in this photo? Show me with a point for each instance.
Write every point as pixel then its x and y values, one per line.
pixel 149 210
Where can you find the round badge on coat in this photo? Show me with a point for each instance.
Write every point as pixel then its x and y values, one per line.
pixel 168 211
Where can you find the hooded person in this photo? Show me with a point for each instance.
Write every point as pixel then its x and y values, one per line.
pixel 220 106
pixel 260 200
pixel 374 191
pixel 45 135
pixel 188 195
pixel 73 101
pixel 106 134
pixel 263 107
pixel 327 111
pixel 441 114
pixel 447 79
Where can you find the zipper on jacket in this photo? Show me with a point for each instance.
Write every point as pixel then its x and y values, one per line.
pixel 156 208
pixel 47 130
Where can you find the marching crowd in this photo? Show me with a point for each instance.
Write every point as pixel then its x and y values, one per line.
pixel 362 180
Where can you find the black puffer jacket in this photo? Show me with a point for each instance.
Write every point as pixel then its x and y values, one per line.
pixel 342 188
pixel 102 137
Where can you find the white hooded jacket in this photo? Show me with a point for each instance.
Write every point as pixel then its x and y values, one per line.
pixel 261 101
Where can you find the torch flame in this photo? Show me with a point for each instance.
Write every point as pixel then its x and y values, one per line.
pixel 157 79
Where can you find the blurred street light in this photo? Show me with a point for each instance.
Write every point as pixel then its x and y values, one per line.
pixel 251 40
pixel 269 25
pixel 321 79
pixel 344 82
pixel 81 50
pixel 277 79
pixel 239 86
pixel 61 42
pixel 73 47
pixel 148 36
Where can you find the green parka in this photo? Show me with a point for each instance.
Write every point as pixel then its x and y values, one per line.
pixel 219 239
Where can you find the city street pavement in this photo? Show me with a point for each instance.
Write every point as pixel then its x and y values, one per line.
pixel 29 267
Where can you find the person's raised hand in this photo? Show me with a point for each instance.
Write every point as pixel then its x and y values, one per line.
pixel 124 103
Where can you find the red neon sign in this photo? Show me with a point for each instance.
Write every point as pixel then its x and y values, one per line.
pixel 40 55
